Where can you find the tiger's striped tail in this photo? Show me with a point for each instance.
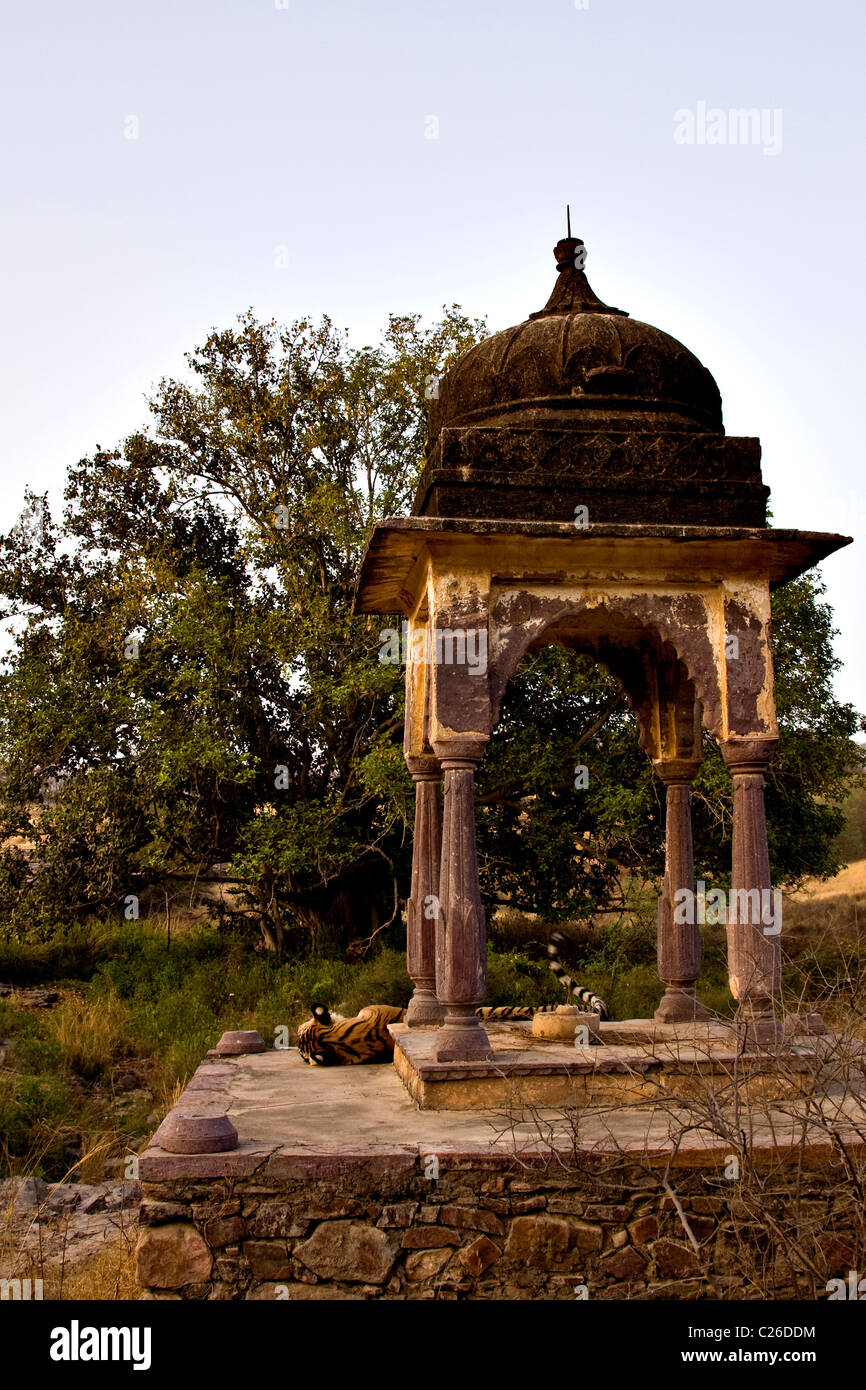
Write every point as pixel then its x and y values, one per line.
pixel 592 1001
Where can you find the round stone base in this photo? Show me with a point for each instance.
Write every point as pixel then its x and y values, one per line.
pixel 462 1039
pixel 680 1004
pixel 424 1010
pixel 240 1041
pixel 564 1024
pixel 185 1132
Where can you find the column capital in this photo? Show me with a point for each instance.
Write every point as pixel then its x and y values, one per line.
pixel 677 771
pixel 461 750
pixel 424 767
pixel 745 755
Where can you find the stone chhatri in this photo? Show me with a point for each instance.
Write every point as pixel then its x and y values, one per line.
pixel 580 489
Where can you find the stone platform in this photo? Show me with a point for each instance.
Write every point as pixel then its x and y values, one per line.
pixel 636 1060
pixel 340 1187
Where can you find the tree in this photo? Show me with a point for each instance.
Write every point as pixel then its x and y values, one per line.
pixel 186 685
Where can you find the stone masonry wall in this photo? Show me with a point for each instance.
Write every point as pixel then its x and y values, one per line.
pixel 510 1232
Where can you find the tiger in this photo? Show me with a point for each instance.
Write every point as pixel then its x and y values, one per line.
pixel 330 1040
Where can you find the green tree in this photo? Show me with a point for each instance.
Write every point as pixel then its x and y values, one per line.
pixel 186 686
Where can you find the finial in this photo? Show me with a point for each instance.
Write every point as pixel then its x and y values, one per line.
pixel 572 293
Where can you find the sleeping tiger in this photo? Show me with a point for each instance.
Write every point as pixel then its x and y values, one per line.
pixel 329 1040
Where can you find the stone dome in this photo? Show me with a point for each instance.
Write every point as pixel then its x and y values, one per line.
pixel 583 411
pixel 580 364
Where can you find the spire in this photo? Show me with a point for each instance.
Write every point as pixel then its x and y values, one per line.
pixel 572 292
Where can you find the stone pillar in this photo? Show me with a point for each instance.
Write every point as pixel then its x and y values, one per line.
pixel 422 909
pixel 754 952
pixel 679 943
pixel 461 956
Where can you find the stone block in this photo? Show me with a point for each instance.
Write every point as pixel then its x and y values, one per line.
pixel 707 1206
pixel 232 1269
pixel 566 1204
pixel 273 1220
pixel 429 1238
pixel 644 1229
pixel 302 1275
pixel 398 1216
pixel 478 1256
pixel 608 1213
pixel 625 1264
pixel 160 1213
pixel 170 1256
pixel 548 1242
pixel 500 1205
pixel 467 1219
pixel 281 1292
pixel 330 1209
pixel 494 1184
pixel 702 1226
pixel 225 1230
pixel 521 1205
pixel 348 1251
pixel 674 1260
pixel 269 1259
pixel 204 1211
pixel 426 1264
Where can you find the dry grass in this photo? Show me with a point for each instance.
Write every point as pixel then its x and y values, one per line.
pixel 91 1033
pixel 166 1094
pixel 108 1276
pixel 30 1249
pixel 851 881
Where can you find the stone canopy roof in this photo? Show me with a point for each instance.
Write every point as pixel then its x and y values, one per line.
pixel 583 405
pixel 581 363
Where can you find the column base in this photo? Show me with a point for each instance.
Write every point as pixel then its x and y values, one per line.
pixel 680 1004
pixel 424 1009
pixel 461 1038
pixel 762 1032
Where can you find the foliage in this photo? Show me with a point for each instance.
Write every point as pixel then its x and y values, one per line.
pixel 187 687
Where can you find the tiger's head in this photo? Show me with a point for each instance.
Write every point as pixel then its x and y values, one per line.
pixel 314 1044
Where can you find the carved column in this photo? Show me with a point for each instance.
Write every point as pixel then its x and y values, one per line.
pixel 422 909
pixel 679 943
pixel 461 955
pixel 754 945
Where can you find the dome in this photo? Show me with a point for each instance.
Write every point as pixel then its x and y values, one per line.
pixel 577 363
pixel 582 410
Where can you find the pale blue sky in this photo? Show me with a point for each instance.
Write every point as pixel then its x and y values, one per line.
pixel 304 127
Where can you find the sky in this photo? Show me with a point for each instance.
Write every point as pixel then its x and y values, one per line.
pixel 167 165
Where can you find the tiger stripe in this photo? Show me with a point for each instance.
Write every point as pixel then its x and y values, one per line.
pixel 328 1040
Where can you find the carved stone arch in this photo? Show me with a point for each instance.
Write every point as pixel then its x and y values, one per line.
pixel 661 628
